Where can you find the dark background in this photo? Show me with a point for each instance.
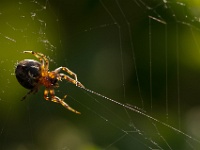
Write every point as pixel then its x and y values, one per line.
pixel 141 53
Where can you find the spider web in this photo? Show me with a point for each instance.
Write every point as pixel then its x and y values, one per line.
pixel 139 62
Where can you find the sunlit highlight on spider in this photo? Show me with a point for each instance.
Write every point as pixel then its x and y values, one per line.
pixel 32 74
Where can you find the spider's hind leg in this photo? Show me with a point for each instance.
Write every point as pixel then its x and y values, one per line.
pixel 58 100
pixel 30 92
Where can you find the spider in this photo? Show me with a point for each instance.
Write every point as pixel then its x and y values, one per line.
pixel 32 74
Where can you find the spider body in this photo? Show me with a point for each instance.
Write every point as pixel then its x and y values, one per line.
pixel 28 73
pixel 32 74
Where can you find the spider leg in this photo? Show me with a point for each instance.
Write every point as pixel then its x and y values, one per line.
pixel 74 81
pixel 69 79
pixel 43 59
pixel 30 92
pixel 68 71
pixel 58 100
pixel 23 98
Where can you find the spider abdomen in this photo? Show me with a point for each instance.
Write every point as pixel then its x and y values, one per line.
pixel 28 73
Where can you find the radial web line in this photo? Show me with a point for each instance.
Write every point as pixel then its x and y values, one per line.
pixel 141 113
pixel 178 77
pixel 120 45
pixel 150 65
pixel 132 49
pixel 166 73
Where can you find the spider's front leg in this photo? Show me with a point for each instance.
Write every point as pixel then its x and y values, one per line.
pixel 69 79
pixel 58 100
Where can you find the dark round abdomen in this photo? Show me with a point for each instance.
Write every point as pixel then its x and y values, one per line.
pixel 28 72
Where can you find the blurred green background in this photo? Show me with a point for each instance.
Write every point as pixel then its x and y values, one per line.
pixel 140 53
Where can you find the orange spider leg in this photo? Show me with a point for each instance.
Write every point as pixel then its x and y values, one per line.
pixel 69 79
pixel 58 100
pixel 74 81
pixel 43 59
